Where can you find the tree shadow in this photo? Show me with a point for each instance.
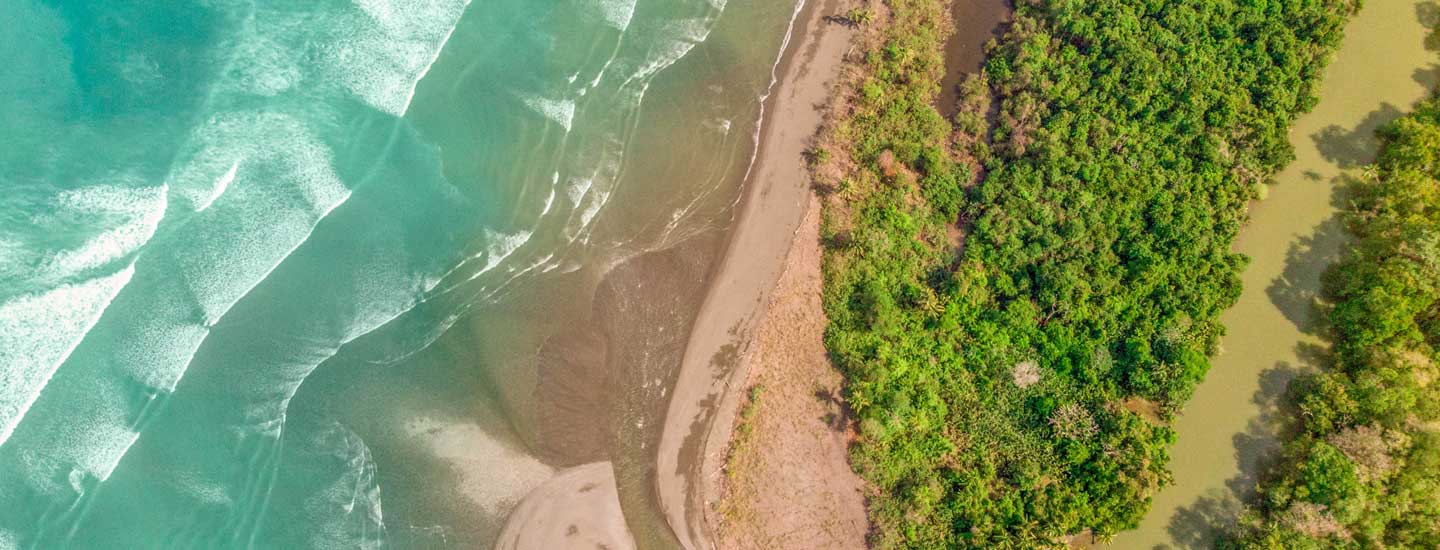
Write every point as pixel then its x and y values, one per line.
pixel 1204 523
pixel 1357 146
pixel 1428 12
pixel 1297 292
pixel 838 414
pixel 1429 77
pixel 1201 524
pixel 1257 447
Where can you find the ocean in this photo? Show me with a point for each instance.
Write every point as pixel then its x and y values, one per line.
pixel 354 274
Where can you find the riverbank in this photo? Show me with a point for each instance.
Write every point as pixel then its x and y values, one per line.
pixel 1229 428
pixel 777 196
pixel 994 335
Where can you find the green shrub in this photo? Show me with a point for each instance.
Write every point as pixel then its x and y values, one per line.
pixel 1129 138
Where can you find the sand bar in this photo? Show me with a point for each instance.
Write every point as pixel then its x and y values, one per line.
pixel 774 203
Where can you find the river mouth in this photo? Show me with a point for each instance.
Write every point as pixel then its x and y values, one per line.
pixel 1232 426
pixel 355 274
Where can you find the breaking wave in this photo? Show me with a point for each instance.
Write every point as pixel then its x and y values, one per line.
pixel 222 198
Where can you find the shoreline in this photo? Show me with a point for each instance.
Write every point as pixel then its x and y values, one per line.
pixel 782 478
pixel 775 200
pixel 1234 426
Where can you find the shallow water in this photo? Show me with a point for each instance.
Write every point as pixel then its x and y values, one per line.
pixel 977 22
pixel 352 274
pixel 1228 430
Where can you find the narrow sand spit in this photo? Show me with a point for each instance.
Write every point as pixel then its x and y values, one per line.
pixel 787 482
pixel 705 397
pixel 578 509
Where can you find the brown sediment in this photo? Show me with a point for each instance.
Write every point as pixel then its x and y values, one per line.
pixel 602 385
pixel 977 22
pixel 706 393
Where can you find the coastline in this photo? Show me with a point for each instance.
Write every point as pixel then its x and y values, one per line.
pixel 783 477
pixel 776 197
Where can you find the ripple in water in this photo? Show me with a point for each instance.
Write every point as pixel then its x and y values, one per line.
pixel 253 253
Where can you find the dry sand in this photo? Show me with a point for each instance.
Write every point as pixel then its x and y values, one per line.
pixel 713 373
pixel 787 482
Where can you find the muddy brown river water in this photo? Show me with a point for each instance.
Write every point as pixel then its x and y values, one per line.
pixel 1229 427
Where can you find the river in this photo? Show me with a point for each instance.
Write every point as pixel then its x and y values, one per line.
pixel 1230 426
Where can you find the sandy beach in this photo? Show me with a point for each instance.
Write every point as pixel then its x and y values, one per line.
pixel 714 371
pixel 785 480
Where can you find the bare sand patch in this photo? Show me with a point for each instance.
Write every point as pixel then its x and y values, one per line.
pixel 787 482
pixel 776 198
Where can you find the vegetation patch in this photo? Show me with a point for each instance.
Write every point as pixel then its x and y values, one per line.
pixel 741 457
pixel 1364 470
pixel 997 294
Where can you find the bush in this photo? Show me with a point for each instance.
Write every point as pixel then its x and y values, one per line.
pixel 1129 139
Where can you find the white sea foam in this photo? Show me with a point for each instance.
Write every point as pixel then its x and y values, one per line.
pixel 220 186
pixel 499 246
pixel 561 111
pixel 158 350
pixel 616 12
pixel 392 47
pixel 389 287
pixel 677 39
pixel 692 31
pixel 586 199
pixel 10 253
pixel 236 257
pixel 38 332
pixel 376 50
pixel 90 441
pixel 549 202
pixel 319 184
pixel 286 188
pixel 110 199
pixel 204 171
pixel 264 66
pixel 207 491
pixel 597 201
pixel 228 249
pixel 577 188
pixel 140 211
pixel 96 428
pixel 242 241
pixel 347 511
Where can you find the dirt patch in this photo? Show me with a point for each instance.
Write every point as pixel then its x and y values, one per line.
pixel 1147 409
pixel 787 482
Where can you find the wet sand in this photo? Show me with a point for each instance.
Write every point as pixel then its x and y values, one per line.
pixel 786 481
pixel 775 200
pixel 579 508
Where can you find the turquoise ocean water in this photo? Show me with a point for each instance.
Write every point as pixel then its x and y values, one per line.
pixel 345 274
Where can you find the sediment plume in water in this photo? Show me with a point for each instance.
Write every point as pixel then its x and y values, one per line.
pixel 294 275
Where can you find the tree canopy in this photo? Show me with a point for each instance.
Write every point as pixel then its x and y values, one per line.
pixel 1020 301
pixel 1364 469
